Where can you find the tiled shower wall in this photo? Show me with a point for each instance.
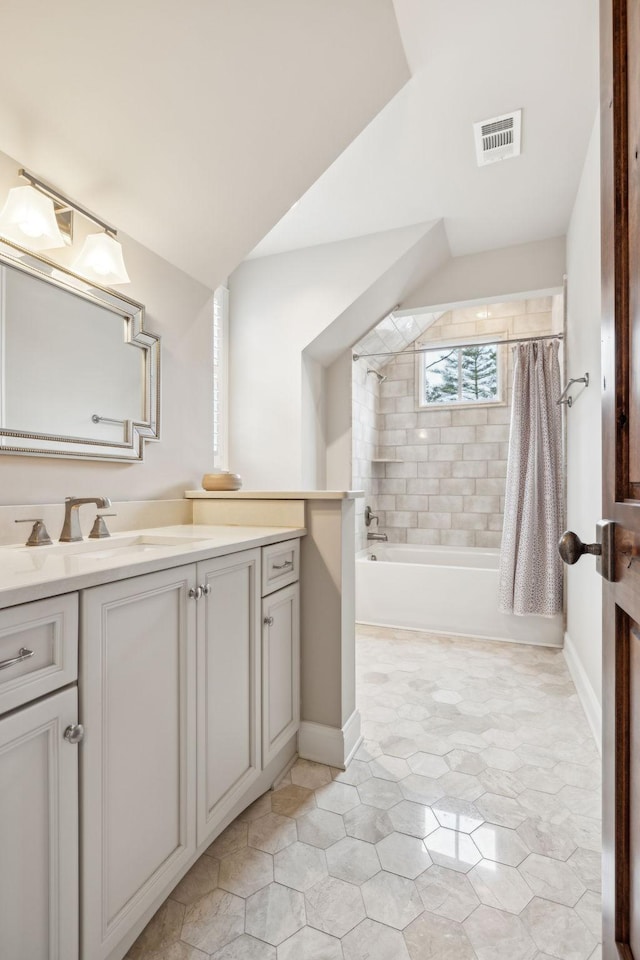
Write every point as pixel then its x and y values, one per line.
pixel 365 401
pixel 449 486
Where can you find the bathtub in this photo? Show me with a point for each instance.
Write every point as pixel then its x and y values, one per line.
pixel 450 590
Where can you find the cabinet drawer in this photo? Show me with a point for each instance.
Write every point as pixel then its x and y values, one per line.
pixel 45 634
pixel 280 565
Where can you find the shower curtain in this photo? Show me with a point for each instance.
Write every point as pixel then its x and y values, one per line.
pixel 530 577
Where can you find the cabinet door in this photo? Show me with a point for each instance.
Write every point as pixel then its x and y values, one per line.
pixel 137 675
pixel 228 684
pixel 280 670
pixel 39 832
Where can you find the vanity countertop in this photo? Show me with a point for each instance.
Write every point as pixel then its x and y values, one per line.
pixel 32 573
pixel 273 494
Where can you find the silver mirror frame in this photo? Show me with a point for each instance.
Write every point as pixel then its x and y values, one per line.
pixel 131 449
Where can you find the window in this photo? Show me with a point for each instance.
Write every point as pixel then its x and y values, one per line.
pixel 220 388
pixel 463 375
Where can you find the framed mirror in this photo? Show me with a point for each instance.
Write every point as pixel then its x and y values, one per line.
pixel 79 374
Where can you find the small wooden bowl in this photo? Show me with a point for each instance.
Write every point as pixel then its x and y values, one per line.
pixel 224 480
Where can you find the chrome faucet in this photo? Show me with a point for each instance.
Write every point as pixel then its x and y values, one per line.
pixel 376 536
pixel 71 527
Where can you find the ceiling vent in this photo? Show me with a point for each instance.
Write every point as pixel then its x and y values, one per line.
pixel 498 138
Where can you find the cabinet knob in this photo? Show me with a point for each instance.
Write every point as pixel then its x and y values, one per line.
pixel 268 621
pixel 195 593
pixel 206 589
pixel 74 733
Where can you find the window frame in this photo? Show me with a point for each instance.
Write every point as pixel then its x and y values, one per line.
pixel 220 377
pixel 501 365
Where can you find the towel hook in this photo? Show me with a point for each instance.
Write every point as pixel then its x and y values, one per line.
pixel 563 398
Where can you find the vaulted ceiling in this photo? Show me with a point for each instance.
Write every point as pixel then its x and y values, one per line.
pixel 192 126
pixel 415 161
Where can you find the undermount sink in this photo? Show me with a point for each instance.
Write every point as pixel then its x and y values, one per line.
pixel 103 549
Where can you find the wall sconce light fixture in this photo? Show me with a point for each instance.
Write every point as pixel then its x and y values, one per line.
pixel 39 217
pixel 28 218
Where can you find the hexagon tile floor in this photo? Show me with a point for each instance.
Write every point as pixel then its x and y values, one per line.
pixel 466 828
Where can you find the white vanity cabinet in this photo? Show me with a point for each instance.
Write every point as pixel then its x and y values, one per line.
pixel 228 726
pixel 138 706
pixel 39 831
pixel 39 780
pixel 188 691
pixel 280 646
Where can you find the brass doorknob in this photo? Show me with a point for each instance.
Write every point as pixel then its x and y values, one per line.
pixel 572 548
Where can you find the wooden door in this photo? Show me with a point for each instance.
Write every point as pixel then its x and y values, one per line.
pixel 280 670
pixel 228 684
pixel 39 831
pixel 620 119
pixel 137 682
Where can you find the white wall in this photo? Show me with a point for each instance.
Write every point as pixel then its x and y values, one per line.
pixel 494 274
pixel 180 310
pixel 279 306
pixel 584 451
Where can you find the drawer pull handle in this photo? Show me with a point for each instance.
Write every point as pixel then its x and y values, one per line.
pixel 74 733
pixel 268 621
pixel 283 566
pixel 23 654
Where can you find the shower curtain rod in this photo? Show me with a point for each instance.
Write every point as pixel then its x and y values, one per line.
pixel 476 343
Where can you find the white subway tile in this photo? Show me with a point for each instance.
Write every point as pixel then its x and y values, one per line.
pixel 400 518
pixel 457 538
pixel 469 468
pixel 425 435
pixel 394 470
pixel 400 421
pixel 458 486
pixel 435 418
pixel 393 487
pixel 423 537
pixel 395 437
pixel 494 433
pixel 481 504
pixel 447 451
pixel 405 404
pixel 458 434
pixel 434 521
pixel 481 451
pixel 497 468
pixel 469 521
pixel 539 305
pixel 424 486
pixel 393 388
pixel 499 414
pixel 469 416
pixel 446 504
pixel 493 487
pixel 440 468
pixel 414 502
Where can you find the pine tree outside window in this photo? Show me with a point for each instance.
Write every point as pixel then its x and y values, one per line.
pixel 462 375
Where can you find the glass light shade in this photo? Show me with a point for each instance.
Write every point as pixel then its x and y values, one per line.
pixel 101 260
pixel 28 218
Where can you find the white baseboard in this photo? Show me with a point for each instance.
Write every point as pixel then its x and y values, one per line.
pixel 334 746
pixel 585 691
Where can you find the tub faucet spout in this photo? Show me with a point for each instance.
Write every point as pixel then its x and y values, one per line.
pixel 377 536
